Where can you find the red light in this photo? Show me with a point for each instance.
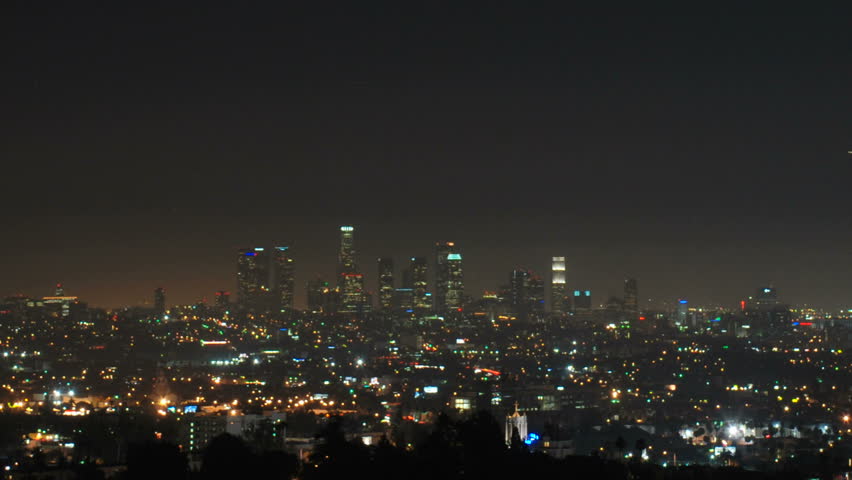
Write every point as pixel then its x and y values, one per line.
pixel 806 324
pixel 641 318
pixel 742 304
pixel 459 309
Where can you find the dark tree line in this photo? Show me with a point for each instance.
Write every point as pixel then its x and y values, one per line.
pixel 471 448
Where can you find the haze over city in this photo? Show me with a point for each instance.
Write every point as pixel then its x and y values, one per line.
pixel 701 150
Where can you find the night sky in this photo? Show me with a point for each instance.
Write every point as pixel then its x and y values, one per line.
pixel 700 150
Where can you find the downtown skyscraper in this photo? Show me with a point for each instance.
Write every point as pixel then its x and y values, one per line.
pixel 455 285
pixel 419 272
pixel 349 281
pixel 631 298
pixel 386 285
pixel 449 277
pixel 159 302
pixel 283 279
pixel 559 299
pixel 253 282
pixel 526 294
pixel 265 280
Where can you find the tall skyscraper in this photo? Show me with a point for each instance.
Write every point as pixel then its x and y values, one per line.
pixel 352 293
pixel 283 275
pixel 442 274
pixel 631 299
pixel 582 301
pixel 346 254
pixel 253 285
pixel 766 297
pixel 682 312
pixel 449 277
pixel 526 294
pixel 349 281
pixel 420 283
pixel 386 286
pixel 535 295
pixel 455 287
pixel 518 292
pixel 160 301
pixel 403 300
pixel 558 289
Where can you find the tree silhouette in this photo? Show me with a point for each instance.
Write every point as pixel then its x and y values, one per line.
pixel 155 460
pixel 482 445
pixel 334 456
pixel 227 456
pixel 620 445
pixel 277 465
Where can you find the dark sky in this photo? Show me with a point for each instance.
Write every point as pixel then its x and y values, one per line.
pixel 702 150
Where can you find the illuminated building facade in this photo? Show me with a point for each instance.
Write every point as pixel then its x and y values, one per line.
pixel 631 299
pixel 283 274
pixel 386 285
pixel 253 285
pixel 403 300
pixel 455 286
pixel 449 279
pixel 682 313
pixel 352 293
pixel 526 294
pixel 518 292
pixel 582 301
pixel 516 424
pixel 558 290
pixel 766 313
pixel 766 297
pixel 346 254
pixel 420 283
pixel 350 283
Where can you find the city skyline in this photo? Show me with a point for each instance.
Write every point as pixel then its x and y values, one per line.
pixel 490 277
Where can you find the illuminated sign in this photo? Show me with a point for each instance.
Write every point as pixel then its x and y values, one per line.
pixel 430 389
pixel 347 228
pixel 454 256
